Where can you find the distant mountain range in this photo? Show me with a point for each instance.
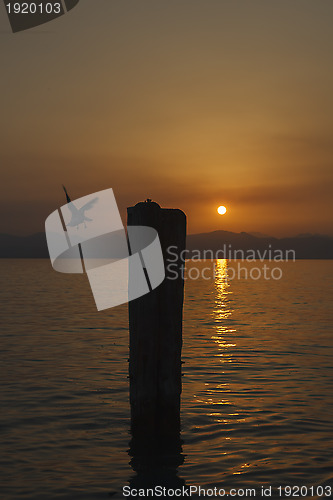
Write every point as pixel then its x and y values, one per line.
pixel 219 244
pixel 246 245
pixel 32 246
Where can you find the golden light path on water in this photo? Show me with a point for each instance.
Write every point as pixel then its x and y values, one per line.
pixel 224 413
pixel 221 312
pixel 222 309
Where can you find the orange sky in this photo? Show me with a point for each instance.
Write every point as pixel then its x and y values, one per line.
pixel 191 103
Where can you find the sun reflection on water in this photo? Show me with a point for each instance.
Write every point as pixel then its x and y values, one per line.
pixel 214 396
pixel 221 411
pixel 222 310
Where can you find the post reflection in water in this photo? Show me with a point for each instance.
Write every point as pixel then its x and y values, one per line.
pixel 156 463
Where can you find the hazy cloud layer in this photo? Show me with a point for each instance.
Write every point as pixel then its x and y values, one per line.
pixel 191 103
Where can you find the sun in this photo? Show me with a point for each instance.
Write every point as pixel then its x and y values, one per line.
pixel 221 210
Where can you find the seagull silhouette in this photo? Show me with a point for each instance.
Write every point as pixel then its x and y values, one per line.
pixel 78 215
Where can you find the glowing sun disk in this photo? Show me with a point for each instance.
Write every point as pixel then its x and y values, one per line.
pixel 221 210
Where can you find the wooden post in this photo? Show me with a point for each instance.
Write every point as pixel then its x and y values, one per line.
pixel 155 323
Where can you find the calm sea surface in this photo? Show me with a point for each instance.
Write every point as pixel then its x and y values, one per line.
pixel 257 400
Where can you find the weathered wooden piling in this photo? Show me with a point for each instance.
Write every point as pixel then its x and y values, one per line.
pixel 155 323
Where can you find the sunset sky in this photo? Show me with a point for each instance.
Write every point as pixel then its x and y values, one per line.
pixel 193 103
